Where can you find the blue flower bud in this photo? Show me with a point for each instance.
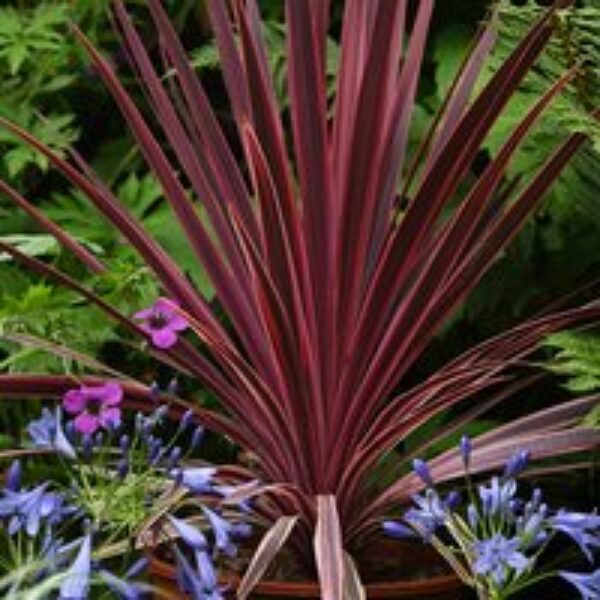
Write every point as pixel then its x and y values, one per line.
pixel 13 477
pixel 452 500
pixel 161 412
pixel 87 445
pixel 174 457
pixel 189 534
pixel 422 470
pixel 173 387
pixel 70 430
pixel 473 516
pixel 197 437
pixel 99 439
pixel 155 453
pixel 177 475
pixel 154 391
pixel 138 567
pixel 123 468
pixel 398 530
pixel 124 442
pixel 516 463
pixel 140 421
pixel 186 420
pixel 465 450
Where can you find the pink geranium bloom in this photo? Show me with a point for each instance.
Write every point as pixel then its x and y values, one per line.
pixel 95 406
pixel 162 323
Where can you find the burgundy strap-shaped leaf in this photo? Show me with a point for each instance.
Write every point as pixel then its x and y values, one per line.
pixel 267 126
pixel 358 200
pixel 396 262
pixel 329 550
pixel 357 28
pixel 63 237
pixel 194 164
pixel 267 550
pixel 213 144
pixel 222 278
pixel 313 159
pixel 294 389
pixel 394 144
pixel 232 66
pixel 460 92
pixel 404 330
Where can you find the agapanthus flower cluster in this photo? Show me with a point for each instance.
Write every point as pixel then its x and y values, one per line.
pixel 495 539
pixel 122 473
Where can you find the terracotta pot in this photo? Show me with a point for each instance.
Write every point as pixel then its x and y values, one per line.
pixel 437 586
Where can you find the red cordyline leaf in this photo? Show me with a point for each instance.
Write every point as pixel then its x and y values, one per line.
pixel 333 291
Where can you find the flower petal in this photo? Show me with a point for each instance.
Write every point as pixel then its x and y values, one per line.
pixel 164 338
pixel 74 401
pixel 86 423
pixel 112 393
pixel 110 417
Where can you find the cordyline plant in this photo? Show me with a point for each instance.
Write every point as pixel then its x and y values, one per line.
pixel 335 259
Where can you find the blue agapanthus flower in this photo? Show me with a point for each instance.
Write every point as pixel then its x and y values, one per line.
pixel 429 514
pixel 226 533
pixel 199 582
pixel 499 557
pixel 76 583
pixel 582 528
pixel 496 498
pixel 587 584
pixel 126 587
pixel 47 432
pixel 29 509
pixel 192 536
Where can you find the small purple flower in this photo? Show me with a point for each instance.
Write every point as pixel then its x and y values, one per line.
pixel 422 470
pixel 497 556
pixel 76 584
pixel 587 584
pixel 582 528
pixel 162 323
pixel 95 406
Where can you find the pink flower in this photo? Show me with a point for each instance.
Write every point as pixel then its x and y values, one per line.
pixel 162 323
pixel 95 406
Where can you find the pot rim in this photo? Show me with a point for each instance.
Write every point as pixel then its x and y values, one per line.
pixel 301 589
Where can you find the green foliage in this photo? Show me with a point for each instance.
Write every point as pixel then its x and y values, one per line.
pixel 36 59
pixel 578 358
pixel 576 43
